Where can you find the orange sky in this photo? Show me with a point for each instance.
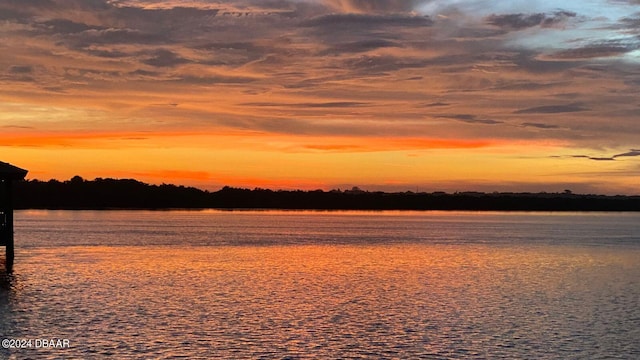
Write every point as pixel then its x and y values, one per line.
pixel 384 95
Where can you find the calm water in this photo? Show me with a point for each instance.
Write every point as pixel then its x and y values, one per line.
pixel 288 285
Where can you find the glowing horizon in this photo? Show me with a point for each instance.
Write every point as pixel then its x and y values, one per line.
pixel 384 95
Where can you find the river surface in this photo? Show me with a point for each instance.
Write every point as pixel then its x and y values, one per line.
pixel 325 285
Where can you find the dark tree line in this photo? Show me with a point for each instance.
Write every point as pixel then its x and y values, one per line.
pixel 78 193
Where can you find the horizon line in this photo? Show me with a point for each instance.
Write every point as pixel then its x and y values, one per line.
pixel 353 189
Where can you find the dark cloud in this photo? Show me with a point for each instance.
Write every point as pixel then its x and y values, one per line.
pixel 85 74
pixel 516 21
pixel 558 16
pixel 18 73
pixel 111 54
pixel 46 15
pixel 112 24
pixel 167 105
pixel 141 72
pixel 85 5
pixel 633 152
pixel 588 157
pixel 523 21
pixel 436 104
pixel 632 23
pixel 166 19
pixel 246 46
pixel 65 27
pixel 298 126
pixel 212 80
pixel 529 61
pixel 372 21
pixel 593 51
pixel 30 3
pixel 117 36
pixel 20 69
pixel 337 104
pixel 526 85
pixel 13 14
pixel 315 82
pixel 17 127
pixel 85 37
pixel 27 4
pixel 471 119
pixel 360 46
pixel 552 109
pixel 183 13
pixel 165 58
pixel 540 125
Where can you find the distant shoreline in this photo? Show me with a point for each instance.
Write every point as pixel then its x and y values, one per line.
pixel 266 210
pixel 129 194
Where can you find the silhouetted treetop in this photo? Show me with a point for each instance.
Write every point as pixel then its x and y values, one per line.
pixel 100 193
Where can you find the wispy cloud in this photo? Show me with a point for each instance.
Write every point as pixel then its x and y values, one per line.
pixel 366 21
pixel 540 125
pixel 630 153
pixel 336 104
pixel 165 58
pixel 471 119
pixel 552 109
pixel 522 21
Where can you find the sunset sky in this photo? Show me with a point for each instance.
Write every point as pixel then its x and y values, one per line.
pixel 394 95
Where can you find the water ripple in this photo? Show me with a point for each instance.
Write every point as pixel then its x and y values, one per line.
pixel 296 299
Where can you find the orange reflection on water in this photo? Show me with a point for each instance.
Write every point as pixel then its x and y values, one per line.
pixel 327 300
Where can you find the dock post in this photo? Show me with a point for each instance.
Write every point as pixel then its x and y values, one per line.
pixel 8 225
pixel 8 174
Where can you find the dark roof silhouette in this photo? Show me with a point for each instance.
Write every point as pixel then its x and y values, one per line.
pixel 10 172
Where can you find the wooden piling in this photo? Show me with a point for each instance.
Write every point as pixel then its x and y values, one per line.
pixel 8 215
pixel 8 174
